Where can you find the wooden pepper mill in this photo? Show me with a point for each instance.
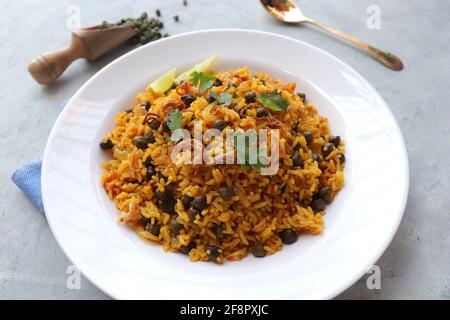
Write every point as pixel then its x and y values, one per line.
pixel 87 43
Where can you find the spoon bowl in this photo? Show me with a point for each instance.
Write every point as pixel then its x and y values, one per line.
pixel 285 11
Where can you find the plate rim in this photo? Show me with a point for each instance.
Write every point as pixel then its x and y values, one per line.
pixel 65 111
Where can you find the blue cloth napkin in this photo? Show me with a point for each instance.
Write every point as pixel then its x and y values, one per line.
pixel 28 179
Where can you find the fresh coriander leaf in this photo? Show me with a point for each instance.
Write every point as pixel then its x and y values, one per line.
pixel 177 135
pixel 174 119
pixel 244 166
pixel 194 77
pixel 257 166
pixel 224 99
pixel 206 84
pixel 203 80
pixel 273 101
pixel 243 152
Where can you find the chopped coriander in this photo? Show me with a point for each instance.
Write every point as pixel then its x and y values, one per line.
pixel 174 119
pixel 224 99
pixel 273 101
pixel 203 80
pixel 257 166
pixel 243 152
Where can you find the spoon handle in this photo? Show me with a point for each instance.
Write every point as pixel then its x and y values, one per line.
pixel 384 57
pixel 50 66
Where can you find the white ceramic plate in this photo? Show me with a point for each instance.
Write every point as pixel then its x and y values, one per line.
pixel 360 223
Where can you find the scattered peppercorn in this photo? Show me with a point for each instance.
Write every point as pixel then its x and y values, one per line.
pixel 146 105
pixel 318 205
pixel 210 98
pixel 325 194
pixel 336 140
pixel 192 212
pixel 148 161
pixel 166 199
pixel 153 229
pixel 165 127
pixel 316 157
pixel 151 171
pixel 187 99
pixel 327 148
pixel 186 200
pixel 217 83
pixel 185 3
pixel 220 125
pixel 154 124
pixel 288 236
pixel 258 250
pixel 145 221
pixel 297 160
pixel 158 194
pixel 226 193
pixel 149 138
pixel 341 157
pixel 302 96
pixel 176 18
pixel 189 247
pixel 175 226
pixel 106 145
pixel 308 137
pixel 261 112
pixel 199 203
pixel 250 97
pixel 213 253
pixel 218 231
pixel 140 143
pixel 158 12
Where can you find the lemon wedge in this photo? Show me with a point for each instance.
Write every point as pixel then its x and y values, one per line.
pixel 163 83
pixel 203 66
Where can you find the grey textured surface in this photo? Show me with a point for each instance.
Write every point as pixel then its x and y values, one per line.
pixel 416 265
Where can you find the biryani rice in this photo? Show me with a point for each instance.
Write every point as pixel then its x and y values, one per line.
pixel 260 208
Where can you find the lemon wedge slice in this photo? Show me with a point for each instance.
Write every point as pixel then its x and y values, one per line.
pixel 163 83
pixel 203 66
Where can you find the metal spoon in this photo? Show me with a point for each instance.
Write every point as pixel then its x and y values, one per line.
pixel 288 12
